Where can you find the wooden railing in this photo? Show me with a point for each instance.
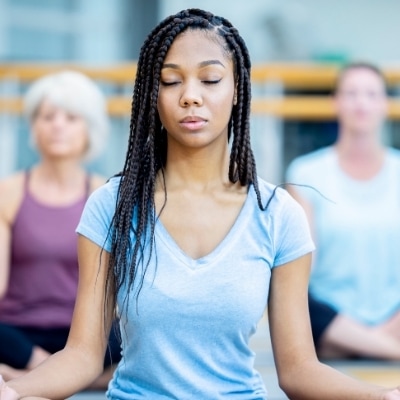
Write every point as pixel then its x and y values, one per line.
pixel 308 77
pixel 26 72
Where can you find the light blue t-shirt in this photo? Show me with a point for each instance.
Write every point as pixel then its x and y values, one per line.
pixel 356 266
pixel 187 337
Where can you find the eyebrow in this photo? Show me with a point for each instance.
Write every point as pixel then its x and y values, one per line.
pixel 201 65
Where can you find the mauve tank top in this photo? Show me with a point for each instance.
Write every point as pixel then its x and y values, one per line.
pixel 44 265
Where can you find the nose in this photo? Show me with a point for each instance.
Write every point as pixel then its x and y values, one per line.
pixel 59 118
pixel 59 122
pixel 191 95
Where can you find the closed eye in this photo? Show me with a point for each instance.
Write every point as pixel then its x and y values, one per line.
pixel 163 83
pixel 212 82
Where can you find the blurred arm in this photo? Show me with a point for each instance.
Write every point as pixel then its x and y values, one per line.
pixel 11 192
pixel 301 375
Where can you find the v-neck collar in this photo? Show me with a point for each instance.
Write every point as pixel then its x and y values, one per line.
pixel 222 247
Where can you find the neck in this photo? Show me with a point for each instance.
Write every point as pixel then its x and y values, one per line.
pixel 199 171
pixel 358 146
pixel 61 172
pixel 361 157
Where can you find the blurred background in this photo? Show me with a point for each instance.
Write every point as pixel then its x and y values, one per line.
pixel 296 47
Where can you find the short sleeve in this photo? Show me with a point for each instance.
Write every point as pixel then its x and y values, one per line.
pixel 292 236
pixel 97 215
pixel 300 174
pixel 310 173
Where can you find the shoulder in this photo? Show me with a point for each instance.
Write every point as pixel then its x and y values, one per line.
pixel 310 166
pixel 286 222
pixel 278 198
pixel 280 207
pixel 96 218
pixel 12 182
pixel 11 194
pixel 105 192
pixel 393 154
pixel 266 188
pixel 96 181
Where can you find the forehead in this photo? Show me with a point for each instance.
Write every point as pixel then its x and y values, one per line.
pixel 361 77
pixel 197 44
pixel 56 104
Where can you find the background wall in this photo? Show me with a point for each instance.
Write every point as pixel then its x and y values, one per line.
pixel 100 32
pixel 105 31
pixel 310 29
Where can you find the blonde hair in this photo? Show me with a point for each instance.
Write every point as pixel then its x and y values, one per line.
pixel 76 93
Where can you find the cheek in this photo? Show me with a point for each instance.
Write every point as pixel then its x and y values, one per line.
pixel 86 145
pixel 379 108
pixel 223 105
pixel 38 133
pixel 78 133
pixel 346 109
pixel 84 139
pixel 226 95
pixel 39 126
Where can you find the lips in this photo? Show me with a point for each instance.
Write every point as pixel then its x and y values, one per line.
pixel 193 122
pixel 192 118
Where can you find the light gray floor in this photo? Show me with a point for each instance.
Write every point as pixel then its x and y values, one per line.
pixel 374 371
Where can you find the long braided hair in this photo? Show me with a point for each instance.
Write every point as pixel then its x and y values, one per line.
pixel 147 148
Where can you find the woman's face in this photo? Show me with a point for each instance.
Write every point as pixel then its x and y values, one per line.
pixel 361 101
pixel 58 133
pixel 197 91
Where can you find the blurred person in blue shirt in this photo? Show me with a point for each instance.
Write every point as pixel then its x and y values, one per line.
pixel 355 281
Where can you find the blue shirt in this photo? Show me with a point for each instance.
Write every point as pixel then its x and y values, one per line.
pixel 356 266
pixel 187 337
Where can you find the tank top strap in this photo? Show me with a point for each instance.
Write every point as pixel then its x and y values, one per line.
pixel 27 176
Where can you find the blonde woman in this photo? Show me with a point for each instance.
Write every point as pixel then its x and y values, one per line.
pixel 39 210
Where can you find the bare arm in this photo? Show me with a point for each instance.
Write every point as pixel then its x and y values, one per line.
pixel 11 191
pixel 5 243
pixel 81 361
pixel 301 375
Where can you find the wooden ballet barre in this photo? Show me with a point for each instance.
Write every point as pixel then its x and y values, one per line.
pixel 308 108
pixel 290 107
pixel 28 72
pixel 312 76
pixel 295 76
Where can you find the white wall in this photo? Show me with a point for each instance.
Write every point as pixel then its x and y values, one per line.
pixel 365 29
pixel 361 29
